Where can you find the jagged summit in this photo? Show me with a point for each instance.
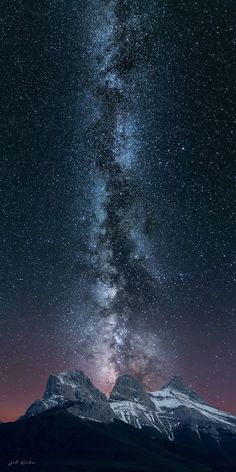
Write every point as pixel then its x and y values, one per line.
pixel 69 384
pixel 74 391
pixel 178 384
pixel 127 388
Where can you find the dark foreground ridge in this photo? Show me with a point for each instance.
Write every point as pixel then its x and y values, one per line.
pixel 56 440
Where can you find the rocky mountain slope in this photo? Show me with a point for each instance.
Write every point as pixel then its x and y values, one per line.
pixel 75 391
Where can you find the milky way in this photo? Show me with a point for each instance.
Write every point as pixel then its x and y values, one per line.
pixel 123 285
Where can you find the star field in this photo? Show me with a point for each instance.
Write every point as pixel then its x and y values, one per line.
pixel 117 131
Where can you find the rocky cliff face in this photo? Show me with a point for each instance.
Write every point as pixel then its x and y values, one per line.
pixel 72 386
pixel 177 384
pixel 74 391
pixel 128 388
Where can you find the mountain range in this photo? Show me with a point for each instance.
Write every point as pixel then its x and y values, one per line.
pixel 76 427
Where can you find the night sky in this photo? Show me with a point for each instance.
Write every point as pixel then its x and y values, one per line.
pixel 116 188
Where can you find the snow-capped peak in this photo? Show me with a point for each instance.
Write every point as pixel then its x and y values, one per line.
pixel 177 384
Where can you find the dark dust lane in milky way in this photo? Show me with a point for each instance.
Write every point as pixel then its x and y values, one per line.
pixel 124 286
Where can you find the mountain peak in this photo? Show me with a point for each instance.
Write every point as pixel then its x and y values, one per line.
pixel 178 384
pixel 127 388
pixel 74 391
pixel 68 384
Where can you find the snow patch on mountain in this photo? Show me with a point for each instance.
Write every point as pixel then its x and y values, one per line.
pixel 169 400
